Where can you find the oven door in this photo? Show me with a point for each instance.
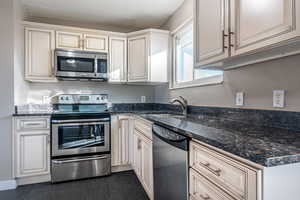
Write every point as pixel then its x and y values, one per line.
pixel 73 137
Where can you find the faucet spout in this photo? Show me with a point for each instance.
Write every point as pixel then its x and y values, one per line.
pixel 183 104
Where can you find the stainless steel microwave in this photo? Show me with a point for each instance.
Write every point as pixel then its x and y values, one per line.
pixel 79 65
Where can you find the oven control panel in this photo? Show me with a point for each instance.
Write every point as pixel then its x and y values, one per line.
pixel 80 99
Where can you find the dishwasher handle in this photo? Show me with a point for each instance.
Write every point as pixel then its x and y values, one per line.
pixel 170 137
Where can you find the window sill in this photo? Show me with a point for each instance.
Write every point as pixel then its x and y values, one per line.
pixel 215 80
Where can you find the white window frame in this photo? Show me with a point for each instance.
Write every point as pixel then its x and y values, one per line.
pixel 213 80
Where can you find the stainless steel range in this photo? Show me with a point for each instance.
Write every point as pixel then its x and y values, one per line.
pixel 80 137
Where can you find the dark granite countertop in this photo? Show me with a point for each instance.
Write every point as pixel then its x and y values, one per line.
pixel 262 145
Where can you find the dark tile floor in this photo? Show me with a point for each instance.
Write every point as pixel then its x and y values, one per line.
pixel 119 186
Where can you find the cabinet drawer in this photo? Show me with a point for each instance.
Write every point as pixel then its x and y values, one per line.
pixel 238 179
pixel 202 189
pixel 33 124
pixel 144 127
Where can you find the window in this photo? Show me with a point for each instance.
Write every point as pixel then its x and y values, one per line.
pixel 184 73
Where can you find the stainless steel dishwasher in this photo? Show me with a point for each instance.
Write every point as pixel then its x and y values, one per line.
pixel 170 161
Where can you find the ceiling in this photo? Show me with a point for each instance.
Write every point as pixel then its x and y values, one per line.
pixel 136 14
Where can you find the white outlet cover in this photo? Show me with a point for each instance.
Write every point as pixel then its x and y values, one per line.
pixel 143 99
pixel 278 98
pixel 239 100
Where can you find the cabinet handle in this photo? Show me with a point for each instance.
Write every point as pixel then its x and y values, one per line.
pixel 230 36
pixel 217 172
pixel 204 197
pixel 223 38
pixel 139 144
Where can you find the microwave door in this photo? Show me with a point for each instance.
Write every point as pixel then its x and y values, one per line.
pixel 77 65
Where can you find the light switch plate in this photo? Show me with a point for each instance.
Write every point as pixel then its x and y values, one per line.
pixel 239 100
pixel 278 98
pixel 143 99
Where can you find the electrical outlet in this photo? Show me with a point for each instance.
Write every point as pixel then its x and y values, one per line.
pixel 278 98
pixel 239 99
pixel 143 99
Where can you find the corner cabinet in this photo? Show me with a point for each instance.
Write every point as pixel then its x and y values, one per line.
pixel 39 55
pixel 148 56
pixel 242 32
pixel 31 141
pixel 118 59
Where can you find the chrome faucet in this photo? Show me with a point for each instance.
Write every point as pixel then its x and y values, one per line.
pixel 183 103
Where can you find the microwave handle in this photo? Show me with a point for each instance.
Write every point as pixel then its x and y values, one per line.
pixel 96 65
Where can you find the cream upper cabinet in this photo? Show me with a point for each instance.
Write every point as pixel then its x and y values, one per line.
pixel 118 59
pixel 212 35
pixel 138 58
pixel 39 54
pixel 148 56
pixel 257 24
pixel 95 43
pixel 69 40
pixel 243 32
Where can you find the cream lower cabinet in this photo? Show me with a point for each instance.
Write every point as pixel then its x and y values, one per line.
pixel 39 55
pixel 148 56
pixel 121 142
pixel 238 28
pixel 216 176
pixel 31 147
pixel 142 157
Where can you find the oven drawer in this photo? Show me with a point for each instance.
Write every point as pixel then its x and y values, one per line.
pixel 26 124
pixel 80 167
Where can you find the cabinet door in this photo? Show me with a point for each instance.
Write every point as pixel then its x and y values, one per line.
pixel 137 156
pixel 147 166
pixel 258 24
pixel 69 40
pixel 118 59
pixel 33 154
pixel 138 53
pixel 95 43
pixel 211 31
pixel 39 54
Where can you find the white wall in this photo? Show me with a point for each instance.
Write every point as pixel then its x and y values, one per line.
pixel 257 81
pixel 6 86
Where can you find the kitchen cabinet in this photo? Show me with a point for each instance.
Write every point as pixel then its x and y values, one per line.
pixel 244 32
pixel 39 55
pixel 95 43
pixel 118 60
pixel 211 43
pixel 31 147
pixel 81 41
pixel 143 157
pixel 217 175
pixel 121 144
pixel 69 40
pixel 148 56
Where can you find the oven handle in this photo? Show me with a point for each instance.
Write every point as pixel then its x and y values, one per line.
pixel 78 160
pixel 80 121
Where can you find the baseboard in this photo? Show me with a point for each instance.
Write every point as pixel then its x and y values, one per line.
pixel 121 168
pixel 33 179
pixel 8 185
